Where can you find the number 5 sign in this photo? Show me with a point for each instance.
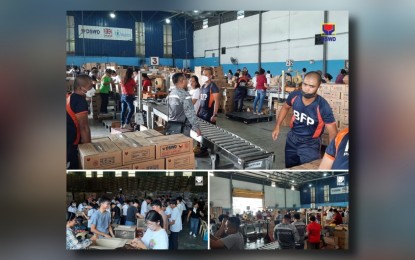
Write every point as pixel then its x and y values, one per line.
pixel 154 61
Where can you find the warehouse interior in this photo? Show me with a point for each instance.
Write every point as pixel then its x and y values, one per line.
pixel 280 42
pixel 245 194
pixel 88 186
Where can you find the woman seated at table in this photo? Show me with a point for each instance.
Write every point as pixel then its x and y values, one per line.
pixel 71 241
pixel 155 236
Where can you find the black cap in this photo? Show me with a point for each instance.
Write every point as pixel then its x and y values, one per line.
pixel 287 216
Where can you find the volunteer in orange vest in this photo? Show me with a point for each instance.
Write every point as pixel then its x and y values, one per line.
pixel 77 131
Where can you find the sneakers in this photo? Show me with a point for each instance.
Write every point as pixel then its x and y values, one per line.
pixel 260 113
pixel 126 126
pixel 190 233
pixel 194 235
pixel 254 113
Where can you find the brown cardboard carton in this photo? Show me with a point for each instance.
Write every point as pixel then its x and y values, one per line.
pixel 135 150
pixel 345 103
pixel 158 164
pixel 181 162
pixel 148 133
pixel 121 136
pixel 124 167
pixel 120 130
pixel 344 110
pixel 343 125
pixel 99 139
pixel 171 145
pixel 100 155
pixel 345 95
pixel 325 139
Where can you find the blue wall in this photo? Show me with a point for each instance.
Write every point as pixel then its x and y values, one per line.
pixel 333 66
pixel 126 61
pixel 335 200
pixel 153 21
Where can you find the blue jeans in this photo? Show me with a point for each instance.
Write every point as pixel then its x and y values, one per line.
pixel 127 101
pixel 129 223
pixel 116 221
pixel 259 96
pixel 194 223
pixel 174 241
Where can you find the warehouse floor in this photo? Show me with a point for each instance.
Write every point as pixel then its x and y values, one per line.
pixel 257 133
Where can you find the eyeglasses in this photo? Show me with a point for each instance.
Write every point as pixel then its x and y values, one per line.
pixel 149 223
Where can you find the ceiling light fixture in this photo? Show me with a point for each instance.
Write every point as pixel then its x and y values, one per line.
pixel 167 20
pixel 309 185
pixel 273 184
pixel 195 11
pixel 112 15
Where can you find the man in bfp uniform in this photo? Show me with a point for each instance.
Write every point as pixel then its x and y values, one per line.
pixel 311 114
pixel 77 119
pixel 209 102
pixel 336 156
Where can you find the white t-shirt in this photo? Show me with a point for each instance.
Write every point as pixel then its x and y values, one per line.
pixel 268 76
pixel 72 209
pixel 329 216
pixel 177 217
pixel 144 208
pixel 195 93
pixel 180 208
pixel 254 81
pixel 167 211
pixel 80 207
pixel 156 239
pixel 124 210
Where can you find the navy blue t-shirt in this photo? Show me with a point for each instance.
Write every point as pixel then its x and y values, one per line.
pixel 78 105
pixel 207 101
pixel 309 121
pixel 338 150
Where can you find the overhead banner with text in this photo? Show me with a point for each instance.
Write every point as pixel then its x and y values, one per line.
pixel 105 33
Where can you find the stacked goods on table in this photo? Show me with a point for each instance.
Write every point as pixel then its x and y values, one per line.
pixel 341 236
pixel 287 120
pixel 337 95
pixel 308 166
pixel 227 98
pixel 96 105
pixel 147 149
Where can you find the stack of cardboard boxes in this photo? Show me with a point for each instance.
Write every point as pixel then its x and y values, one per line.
pixel 337 95
pixel 287 120
pixel 227 98
pixel 341 236
pixel 138 150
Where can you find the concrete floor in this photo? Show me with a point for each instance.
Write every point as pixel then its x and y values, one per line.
pixel 189 242
pixel 257 133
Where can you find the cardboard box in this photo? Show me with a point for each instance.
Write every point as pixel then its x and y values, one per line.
pixel 345 103
pixel 345 95
pixel 344 118
pixel 171 145
pixel 158 164
pixel 181 162
pixel 99 139
pixel 113 137
pixel 135 150
pixel 120 130
pixel 335 109
pixel 125 167
pixel 344 110
pixel 148 133
pixel 125 232
pixel 308 166
pixel 336 102
pixel 100 155
pixel 335 95
pixel 343 125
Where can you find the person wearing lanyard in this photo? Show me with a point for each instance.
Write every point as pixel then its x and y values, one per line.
pixel 261 88
pixel 128 86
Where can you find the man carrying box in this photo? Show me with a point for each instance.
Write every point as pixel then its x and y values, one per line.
pixel 311 113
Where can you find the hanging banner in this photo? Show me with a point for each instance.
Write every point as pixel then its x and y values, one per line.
pixel 104 33
pixel 339 190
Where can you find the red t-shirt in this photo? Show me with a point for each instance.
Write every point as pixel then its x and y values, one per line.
pixel 128 88
pixel 146 85
pixel 260 81
pixel 314 230
pixel 338 219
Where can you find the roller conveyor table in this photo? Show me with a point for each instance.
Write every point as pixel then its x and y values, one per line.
pixel 242 153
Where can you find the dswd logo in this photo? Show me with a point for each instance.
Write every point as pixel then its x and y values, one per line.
pixel 328 32
pixel 199 181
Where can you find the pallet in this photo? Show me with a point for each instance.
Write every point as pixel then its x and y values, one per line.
pixel 249 117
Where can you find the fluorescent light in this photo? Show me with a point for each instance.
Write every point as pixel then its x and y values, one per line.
pixel 309 185
pixel 292 181
pixel 211 174
pixel 273 184
pixel 195 11
pixel 112 15
pixel 167 20
pixel 292 187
